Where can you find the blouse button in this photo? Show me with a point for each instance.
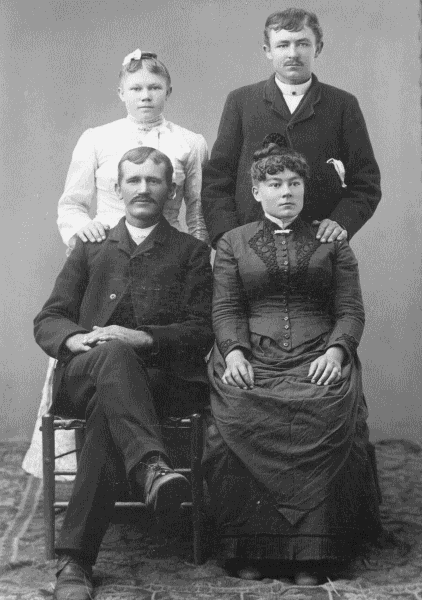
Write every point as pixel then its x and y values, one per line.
pixel 284 242
pixel 286 262
pixel 287 336
pixel 113 296
pixel 285 344
pixel 286 318
pixel 287 327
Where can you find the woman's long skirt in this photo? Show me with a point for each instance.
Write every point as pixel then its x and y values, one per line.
pixel 289 467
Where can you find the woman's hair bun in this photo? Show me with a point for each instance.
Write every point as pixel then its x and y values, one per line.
pixel 275 138
pixel 272 144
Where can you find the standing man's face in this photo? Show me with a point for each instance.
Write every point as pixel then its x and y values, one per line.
pixel 293 54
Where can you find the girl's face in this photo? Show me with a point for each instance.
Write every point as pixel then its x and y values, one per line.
pixel 281 195
pixel 144 94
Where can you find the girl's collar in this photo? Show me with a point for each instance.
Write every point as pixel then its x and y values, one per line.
pixel 149 125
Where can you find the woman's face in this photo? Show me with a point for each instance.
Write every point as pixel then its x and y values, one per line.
pixel 281 194
pixel 144 94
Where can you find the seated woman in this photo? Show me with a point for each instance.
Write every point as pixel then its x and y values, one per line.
pixel 287 463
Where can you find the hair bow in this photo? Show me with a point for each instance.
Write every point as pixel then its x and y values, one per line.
pixel 137 55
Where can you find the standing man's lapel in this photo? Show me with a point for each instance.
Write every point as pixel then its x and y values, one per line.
pixel 305 110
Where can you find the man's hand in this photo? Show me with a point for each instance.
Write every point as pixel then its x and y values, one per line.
pixel 94 231
pixel 133 337
pixel 239 372
pixel 330 231
pixel 77 343
pixel 326 369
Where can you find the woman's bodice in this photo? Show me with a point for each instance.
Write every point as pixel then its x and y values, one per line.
pixel 287 286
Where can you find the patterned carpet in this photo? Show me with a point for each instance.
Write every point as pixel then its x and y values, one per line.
pixel 136 563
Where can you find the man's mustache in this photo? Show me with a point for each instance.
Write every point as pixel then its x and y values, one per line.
pixel 142 198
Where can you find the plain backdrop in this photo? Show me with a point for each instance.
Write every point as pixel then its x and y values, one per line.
pixel 59 61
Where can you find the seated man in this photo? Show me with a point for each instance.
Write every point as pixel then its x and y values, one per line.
pixel 129 323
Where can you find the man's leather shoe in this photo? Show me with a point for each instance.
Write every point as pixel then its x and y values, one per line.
pixel 165 490
pixel 74 580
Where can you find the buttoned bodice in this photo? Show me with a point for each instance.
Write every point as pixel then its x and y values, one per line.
pixel 287 286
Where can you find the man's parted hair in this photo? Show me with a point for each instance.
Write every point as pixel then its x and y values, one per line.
pixel 293 19
pixel 139 155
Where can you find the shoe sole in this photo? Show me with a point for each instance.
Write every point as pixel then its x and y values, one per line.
pixel 169 493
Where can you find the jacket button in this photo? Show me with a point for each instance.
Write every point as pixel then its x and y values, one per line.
pixel 113 296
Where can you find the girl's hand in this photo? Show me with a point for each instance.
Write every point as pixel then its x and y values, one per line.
pixel 326 369
pixel 239 372
pixel 94 231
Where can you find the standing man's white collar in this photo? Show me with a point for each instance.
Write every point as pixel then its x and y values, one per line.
pixel 293 94
pixel 289 89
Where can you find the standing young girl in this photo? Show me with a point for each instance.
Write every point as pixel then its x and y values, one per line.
pixel 144 87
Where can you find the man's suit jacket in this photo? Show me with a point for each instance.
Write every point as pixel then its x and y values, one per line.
pixel 328 123
pixel 173 296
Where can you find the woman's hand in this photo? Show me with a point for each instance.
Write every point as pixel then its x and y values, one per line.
pixel 326 369
pixel 239 372
pixel 94 231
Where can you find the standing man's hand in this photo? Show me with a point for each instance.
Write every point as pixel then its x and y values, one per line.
pixel 330 231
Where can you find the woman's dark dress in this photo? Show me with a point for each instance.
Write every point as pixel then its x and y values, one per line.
pixel 288 463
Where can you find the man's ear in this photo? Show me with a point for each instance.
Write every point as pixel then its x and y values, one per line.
pixel 267 51
pixel 319 49
pixel 117 189
pixel 172 190
pixel 169 91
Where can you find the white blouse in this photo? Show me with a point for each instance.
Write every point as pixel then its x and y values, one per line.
pixel 92 175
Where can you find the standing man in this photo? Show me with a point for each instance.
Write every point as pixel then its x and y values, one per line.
pixel 319 120
pixel 129 321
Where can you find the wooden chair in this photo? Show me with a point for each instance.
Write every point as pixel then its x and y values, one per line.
pixel 174 430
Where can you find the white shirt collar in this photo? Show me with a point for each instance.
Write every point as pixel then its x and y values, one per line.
pixel 282 224
pixel 288 89
pixel 139 234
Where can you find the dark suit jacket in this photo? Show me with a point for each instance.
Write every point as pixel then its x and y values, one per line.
pixel 328 123
pixel 174 296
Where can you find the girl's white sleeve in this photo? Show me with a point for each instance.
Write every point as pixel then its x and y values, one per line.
pixel 196 160
pixel 79 189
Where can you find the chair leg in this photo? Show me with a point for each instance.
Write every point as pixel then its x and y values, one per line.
pixel 48 483
pixel 197 448
pixel 79 442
